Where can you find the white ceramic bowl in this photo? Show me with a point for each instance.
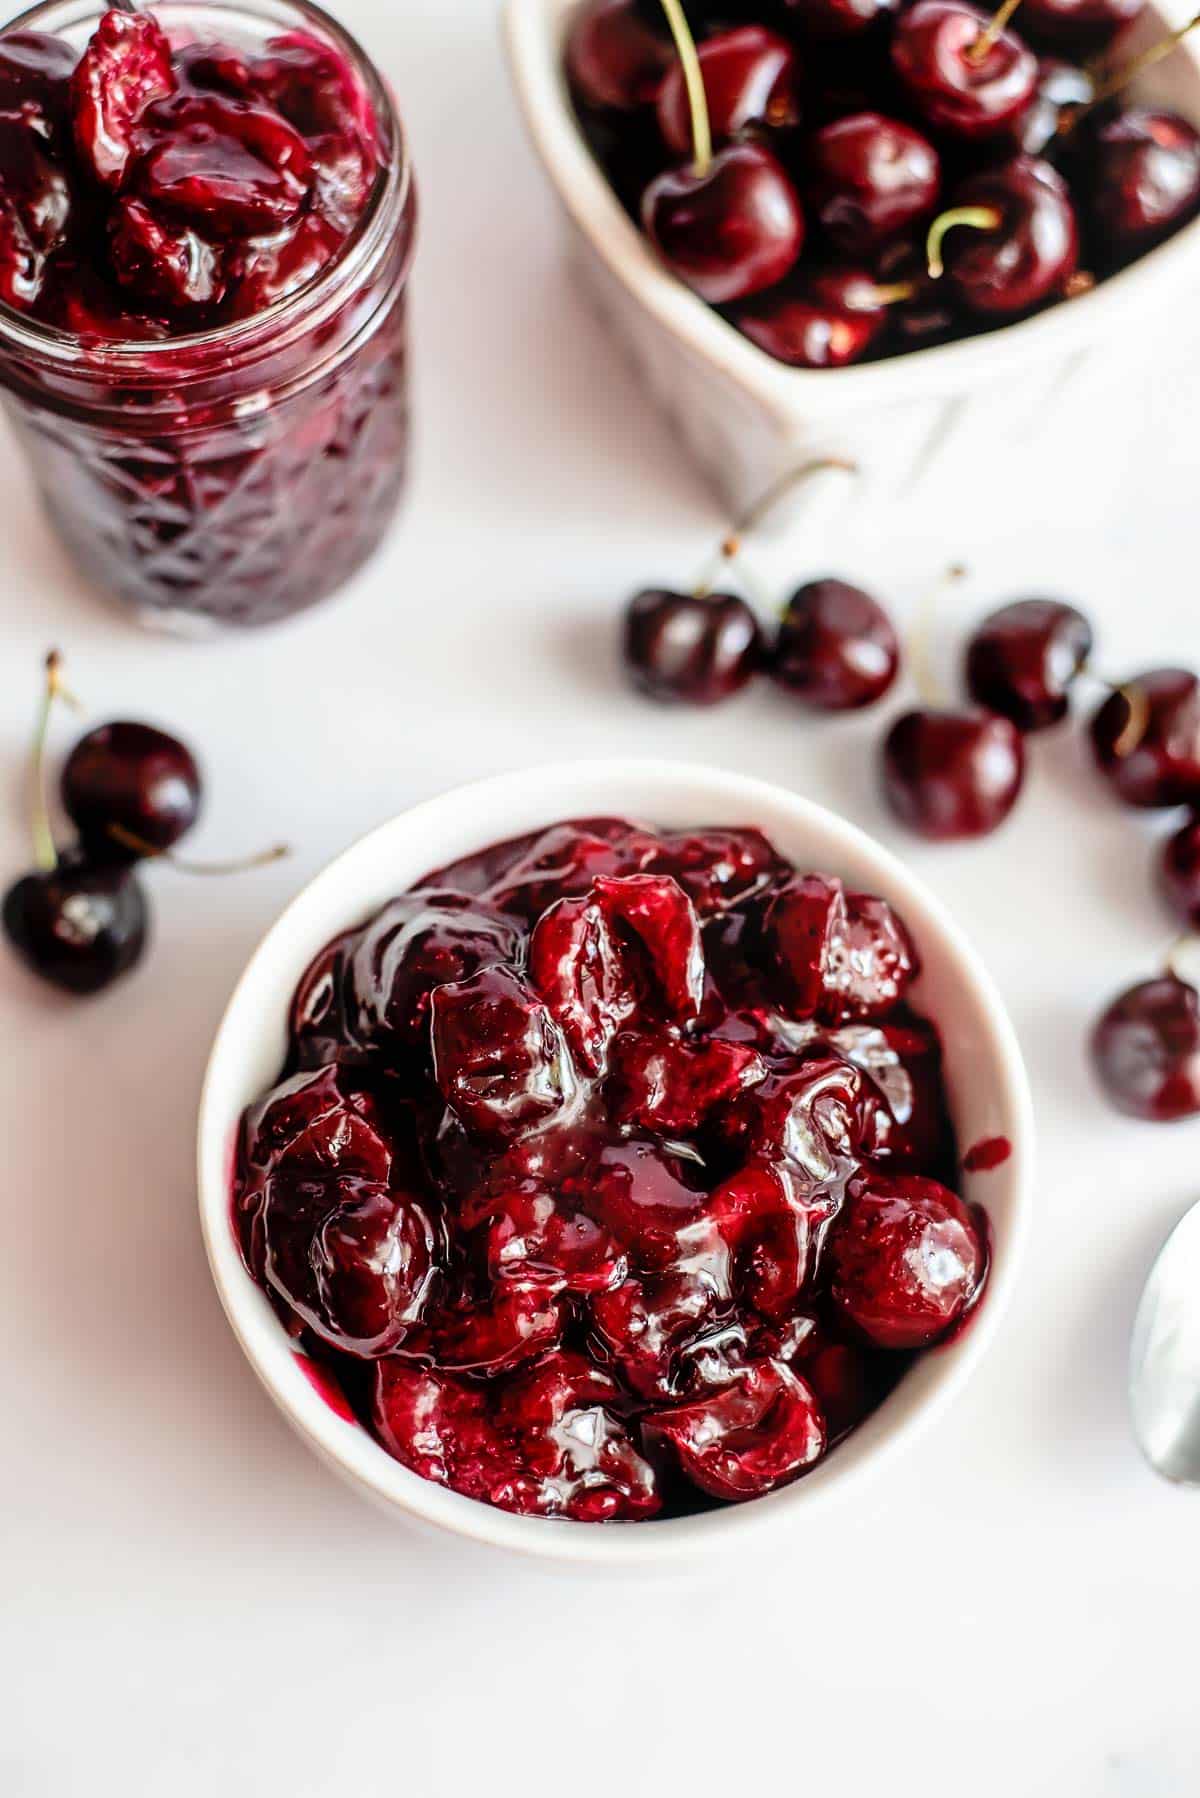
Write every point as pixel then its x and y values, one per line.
pixel 984 403
pixel 989 1096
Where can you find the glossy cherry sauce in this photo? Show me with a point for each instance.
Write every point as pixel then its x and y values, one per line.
pixel 610 1173
pixel 150 188
pixel 221 232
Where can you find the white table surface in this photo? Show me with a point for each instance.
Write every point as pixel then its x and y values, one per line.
pixel 188 1602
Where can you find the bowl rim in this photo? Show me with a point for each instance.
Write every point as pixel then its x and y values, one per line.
pixel 508 798
pixel 532 38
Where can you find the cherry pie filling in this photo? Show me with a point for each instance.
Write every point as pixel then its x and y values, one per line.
pixel 151 188
pixel 159 193
pixel 610 1174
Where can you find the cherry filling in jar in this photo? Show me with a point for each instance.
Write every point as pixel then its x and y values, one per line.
pixel 610 1174
pixel 206 227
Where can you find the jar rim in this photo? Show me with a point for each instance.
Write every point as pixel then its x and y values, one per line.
pixel 389 194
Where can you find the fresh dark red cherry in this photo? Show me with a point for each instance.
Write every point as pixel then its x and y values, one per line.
pixel 131 779
pixel 615 59
pixel 694 648
pixel 1146 738
pixel 77 926
pixel 1009 241
pixel 1062 88
pixel 828 319
pixel 934 53
pixel 1077 24
pixel 730 230
pixel 952 774
pixel 75 922
pixel 1179 873
pixel 1146 1049
pixel 751 83
pixel 1023 659
pixel 1142 178
pixel 868 178
pixel 906 1258
pixel 835 18
pixel 836 647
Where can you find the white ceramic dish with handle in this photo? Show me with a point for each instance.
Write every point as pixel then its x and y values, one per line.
pixel 988 1095
pixel 980 403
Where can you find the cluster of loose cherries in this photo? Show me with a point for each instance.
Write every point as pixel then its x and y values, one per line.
pixel 947 772
pixel 80 919
pixel 856 178
pixel 953 772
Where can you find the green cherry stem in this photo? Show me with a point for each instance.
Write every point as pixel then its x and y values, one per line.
pixel 148 852
pixel 988 38
pixel 1128 71
pixel 977 218
pixel 1134 727
pixel 920 659
pixel 693 78
pixel 45 852
pixel 890 293
pixel 730 546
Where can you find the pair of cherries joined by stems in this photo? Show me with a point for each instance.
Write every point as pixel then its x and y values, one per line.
pixel 845 179
pixel 81 919
pixel 947 773
pixel 955 772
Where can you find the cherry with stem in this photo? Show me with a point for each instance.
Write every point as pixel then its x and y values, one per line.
pixel 132 792
pixel 828 320
pixel 729 223
pixel 1023 660
pixel 702 647
pixel 78 925
pixel 1145 738
pixel 1025 240
pixel 1146 1045
pixel 990 36
pixel 949 773
pixel 965 76
pixel 1111 84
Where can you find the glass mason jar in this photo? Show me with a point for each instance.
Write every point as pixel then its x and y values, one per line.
pixel 237 475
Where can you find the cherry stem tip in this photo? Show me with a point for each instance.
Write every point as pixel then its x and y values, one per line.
pixel 976 218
